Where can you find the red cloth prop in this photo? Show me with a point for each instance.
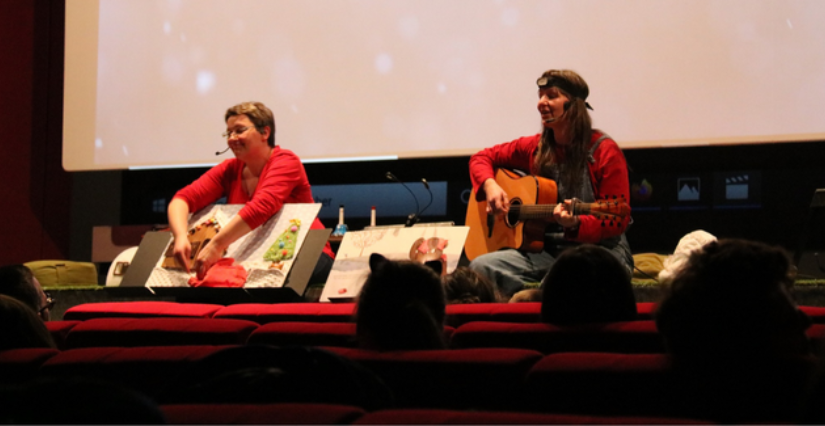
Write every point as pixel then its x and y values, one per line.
pixel 224 273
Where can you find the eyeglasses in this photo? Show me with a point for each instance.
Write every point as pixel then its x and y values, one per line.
pixel 50 301
pixel 236 132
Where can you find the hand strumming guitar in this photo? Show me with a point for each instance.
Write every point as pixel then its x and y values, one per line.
pixel 498 203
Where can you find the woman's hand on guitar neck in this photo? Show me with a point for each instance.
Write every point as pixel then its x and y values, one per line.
pixel 498 202
pixel 563 213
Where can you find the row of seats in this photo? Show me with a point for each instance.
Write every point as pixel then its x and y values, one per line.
pixel 262 313
pixel 622 337
pixel 306 413
pixel 601 384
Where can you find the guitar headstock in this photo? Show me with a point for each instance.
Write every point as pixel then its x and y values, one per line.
pixel 611 211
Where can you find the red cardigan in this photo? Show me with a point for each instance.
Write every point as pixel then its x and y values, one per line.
pixel 608 176
pixel 283 180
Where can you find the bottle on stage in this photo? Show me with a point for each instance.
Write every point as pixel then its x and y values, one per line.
pixel 341 228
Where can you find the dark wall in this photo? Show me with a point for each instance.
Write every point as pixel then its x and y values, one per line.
pixel 784 177
pixel 35 190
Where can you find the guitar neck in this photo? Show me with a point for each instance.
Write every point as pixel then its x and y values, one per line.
pixel 542 211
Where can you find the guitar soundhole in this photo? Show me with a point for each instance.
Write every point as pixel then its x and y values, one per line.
pixel 512 216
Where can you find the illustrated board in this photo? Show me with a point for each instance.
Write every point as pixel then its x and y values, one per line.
pixel 250 250
pixel 351 266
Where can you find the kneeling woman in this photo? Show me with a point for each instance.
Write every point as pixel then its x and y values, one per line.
pixel 263 176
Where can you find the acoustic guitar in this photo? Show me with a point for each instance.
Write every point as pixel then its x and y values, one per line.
pixel 532 201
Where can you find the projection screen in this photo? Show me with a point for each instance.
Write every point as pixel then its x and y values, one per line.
pixel 147 82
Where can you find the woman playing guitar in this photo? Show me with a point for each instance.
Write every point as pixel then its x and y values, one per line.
pixel 585 164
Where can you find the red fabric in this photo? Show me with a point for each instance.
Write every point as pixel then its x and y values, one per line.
pixel 146 369
pixel 455 378
pixel 423 416
pixel 746 390
pixel 608 176
pixel 129 332
pixel 60 330
pixel 283 180
pixel 140 309
pixel 304 334
pixel 21 365
pixel 263 313
pixel 275 413
pixel 284 333
pixel 816 313
pixel 630 337
pixel 224 273
pixel 459 314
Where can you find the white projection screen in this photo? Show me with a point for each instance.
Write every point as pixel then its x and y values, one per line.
pixel 148 81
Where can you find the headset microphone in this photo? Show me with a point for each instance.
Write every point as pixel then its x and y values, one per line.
pixel 221 152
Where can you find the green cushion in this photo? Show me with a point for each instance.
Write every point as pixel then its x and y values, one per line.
pixel 58 273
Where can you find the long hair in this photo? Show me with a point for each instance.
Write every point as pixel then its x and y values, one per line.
pixel 572 166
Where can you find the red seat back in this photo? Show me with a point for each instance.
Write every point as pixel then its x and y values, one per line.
pixel 159 332
pixel 296 312
pixel 140 309
pixel 466 378
pixel 627 337
pixel 147 369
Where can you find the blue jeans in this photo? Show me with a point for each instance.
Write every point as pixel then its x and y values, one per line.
pixel 510 269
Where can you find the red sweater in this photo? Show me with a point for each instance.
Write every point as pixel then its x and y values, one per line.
pixel 283 180
pixel 608 176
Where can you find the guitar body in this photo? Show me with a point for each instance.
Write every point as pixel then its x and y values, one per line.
pixel 488 234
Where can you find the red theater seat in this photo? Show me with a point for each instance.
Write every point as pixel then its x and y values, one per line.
pixel 817 313
pixel 440 417
pixel 264 313
pixel 628 337
pixel 312 334
pixel 515 312
pixel 507 312
pixel 738 390
pixel 60 331
pixel 275 413
pixel 20 365
pixel 147 369
pixel 645 310
pixel 453 378
pixel 304 334
pixel 129 332
pixel 87 311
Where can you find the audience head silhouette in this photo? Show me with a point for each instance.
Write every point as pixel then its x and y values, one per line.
pixel 732 299
pixel 18 282
pixel 587 284
pixel 21 327
pixel 465 285
pixel 401 306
